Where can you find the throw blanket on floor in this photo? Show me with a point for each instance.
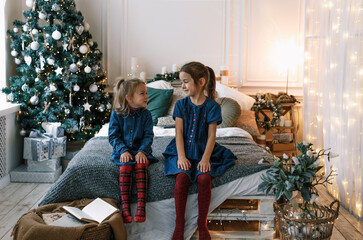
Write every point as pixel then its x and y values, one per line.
pixel 91 173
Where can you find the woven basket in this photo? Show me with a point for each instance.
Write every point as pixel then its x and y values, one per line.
pixel 101 232
pixel 306 228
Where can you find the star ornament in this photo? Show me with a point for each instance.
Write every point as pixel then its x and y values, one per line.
pixel 65 46
pixel 87 106
pixel 59 70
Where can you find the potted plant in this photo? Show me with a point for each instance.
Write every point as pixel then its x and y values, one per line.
pixel 293 182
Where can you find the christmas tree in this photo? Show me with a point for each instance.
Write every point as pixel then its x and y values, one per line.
pixel 61 77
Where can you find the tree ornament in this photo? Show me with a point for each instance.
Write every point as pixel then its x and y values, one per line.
pixel 55 7
pixel 29 3
pixel 86 26
pixel 46 106
pixel 25 87
pixel 37 70
pixel 87 69
pixel 34 45
pixel 101 108
pixel 25 27
pixel 36 79
pixel 87 106
pixel 34 100
pixel 35 31
pixel 28 60
pixel 109 106
pixel 22 132
pixel 56 35
pixel 67 111
pixel 76 88
pixel 50 61
pixel 93 88
pixel 79 29
pixel 17 61
pixel 59 70
pixel 90 42
pixel 52 88
pixel 15 30
pixel 83 49
pixel 65 46
pixel 73 68
pixel 14 53
pixel 42 15
pixel 11 97
pixel 96 67
pixel 79 63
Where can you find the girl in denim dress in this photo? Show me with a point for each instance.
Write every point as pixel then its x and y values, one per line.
pixel 131 135
pixel 193 154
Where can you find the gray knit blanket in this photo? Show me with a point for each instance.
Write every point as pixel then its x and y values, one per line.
pixel 91 174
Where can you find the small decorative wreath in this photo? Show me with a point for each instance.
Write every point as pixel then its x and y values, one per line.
pixel 266 102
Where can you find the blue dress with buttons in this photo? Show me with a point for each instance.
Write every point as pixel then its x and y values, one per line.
pixel 196 121
pixel 133 133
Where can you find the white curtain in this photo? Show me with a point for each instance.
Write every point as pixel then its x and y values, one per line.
pixel 333 89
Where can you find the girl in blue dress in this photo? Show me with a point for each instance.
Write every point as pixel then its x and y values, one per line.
pixel 193 155
pixel 131 135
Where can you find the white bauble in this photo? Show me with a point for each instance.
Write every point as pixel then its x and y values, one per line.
pixel 67 111
pixel 83 49
pixel 47 35
pixel 22 132
pixel 25 28
pixel 55 7
pixel 42 15
pixel 79 63
pixel 28 60
pixel 36 79
pixel 109 106
pixel 76 88
pixel 35 31
pixel 87 69
pixel 11 97
pixel 93 88
pixel 101 108
pixel 50 61
pixel 56 35
pixel 25 87
pixel 37 70
pixel 86 26
pixel 17 61
pixel 34 100
pixel 29 3
pixel 73 67
pixel 34 45
pixel 15 29
pixel 14 53
pixel 52 88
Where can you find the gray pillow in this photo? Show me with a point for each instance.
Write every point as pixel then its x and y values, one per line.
pixel 166 122
pixel 231 111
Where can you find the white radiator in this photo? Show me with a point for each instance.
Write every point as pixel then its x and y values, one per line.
pixel 2 146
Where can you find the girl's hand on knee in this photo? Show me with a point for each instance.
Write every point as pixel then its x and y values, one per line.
pixel 204 166
pixel 140 157
pixel 125 157
pixel 184 164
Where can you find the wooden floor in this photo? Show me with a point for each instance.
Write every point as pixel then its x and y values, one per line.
pixel 18 198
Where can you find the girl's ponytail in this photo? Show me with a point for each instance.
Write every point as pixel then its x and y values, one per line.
pixel 119 96
pixel 211 84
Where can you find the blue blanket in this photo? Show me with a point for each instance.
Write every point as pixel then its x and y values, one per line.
pixel 91 174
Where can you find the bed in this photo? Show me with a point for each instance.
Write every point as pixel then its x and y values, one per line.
pixel 91 174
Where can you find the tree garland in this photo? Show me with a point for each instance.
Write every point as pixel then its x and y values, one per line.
pixel 266 102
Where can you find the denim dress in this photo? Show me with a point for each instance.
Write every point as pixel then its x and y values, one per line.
pixel 196 121
pixel 132 133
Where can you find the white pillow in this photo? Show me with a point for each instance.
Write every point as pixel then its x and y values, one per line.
pixel 246 102
pixel 160 84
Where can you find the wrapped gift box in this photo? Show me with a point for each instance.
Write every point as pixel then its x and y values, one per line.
pixel 21 174
pixel 44 148
pixel 55 129
pixel 50 165
pixel 283 137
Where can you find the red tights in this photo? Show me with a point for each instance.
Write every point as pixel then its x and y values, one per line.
pixel 181 195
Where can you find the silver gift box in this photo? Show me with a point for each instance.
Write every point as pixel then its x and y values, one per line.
pixel 21 174
pixel 59 144
pixel 41 149
pixel 50 165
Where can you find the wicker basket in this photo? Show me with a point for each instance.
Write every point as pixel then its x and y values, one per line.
pixel 306 228
pixel 101 232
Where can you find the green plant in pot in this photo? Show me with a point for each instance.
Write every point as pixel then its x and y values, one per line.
pixel 293 181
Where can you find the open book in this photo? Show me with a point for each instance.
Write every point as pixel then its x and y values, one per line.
pixel 96 211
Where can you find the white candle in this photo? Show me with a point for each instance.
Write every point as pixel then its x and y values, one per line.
pixel 287 123
pixel 164 70
pixel 282 121
pixel 143 76
pixel 133 63
pixel 224 74
pixel 175 68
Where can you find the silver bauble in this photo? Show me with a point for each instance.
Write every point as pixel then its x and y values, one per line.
pixel 93 88
pixel 22 132
pixel 15 29
pixel 50 61
pixel 17 61
pixel 25 87
pixel 29 3
pixel 86 26
pixel 90 42
pixel 42 15
pixel 101 108
pixel 55 7
pixel 76 88
pixel 108 105
pixel 34 45
pixel 83 49
pixel 73 67
pixel 11 97
pixel 35 31
pixel 52 88
pixel 34 100
pixel 25 28
pixel 79 63
pixel 87 69
pixel 67 111
pixel 56 35
pixel 14 53
pixel 36 79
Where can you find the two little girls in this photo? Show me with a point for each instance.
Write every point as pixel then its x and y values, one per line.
pixel 193 155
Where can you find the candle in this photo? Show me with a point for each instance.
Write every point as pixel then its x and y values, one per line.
pixel 282 121
pixel 133 63
pixel 224 74
pixel 164 70
pixel 175 68
pixel 287 123
pixel 143 76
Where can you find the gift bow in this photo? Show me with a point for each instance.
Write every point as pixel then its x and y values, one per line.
pixel 35 133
